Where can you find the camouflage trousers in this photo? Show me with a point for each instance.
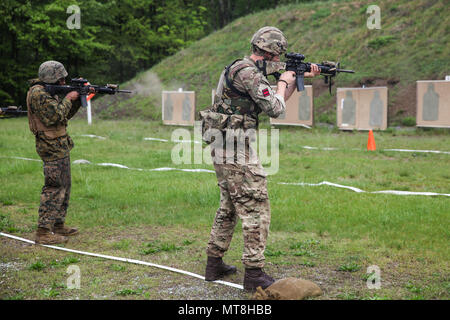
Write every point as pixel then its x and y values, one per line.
pixel 243 194
pixel 55 193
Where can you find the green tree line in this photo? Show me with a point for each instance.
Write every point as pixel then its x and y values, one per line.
pixel 116 38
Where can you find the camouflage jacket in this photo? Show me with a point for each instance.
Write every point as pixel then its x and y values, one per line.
pixel 48 116
pixel 249 80
pixel 240 110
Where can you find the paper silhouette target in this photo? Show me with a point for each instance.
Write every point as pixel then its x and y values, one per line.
pixel 178 108
pixel 299 109
pixel 433 104
pixel 362 108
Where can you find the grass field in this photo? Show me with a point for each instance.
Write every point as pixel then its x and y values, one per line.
pixel 324 234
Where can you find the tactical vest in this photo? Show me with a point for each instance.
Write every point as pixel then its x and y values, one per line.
pixel 36 125
pixel 232 109
pixel 229 100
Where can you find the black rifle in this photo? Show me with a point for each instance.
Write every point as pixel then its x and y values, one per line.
pixel 11 112
pixel 82 86
pixel 328 69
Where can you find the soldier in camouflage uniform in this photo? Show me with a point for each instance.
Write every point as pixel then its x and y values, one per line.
pixel 242 93
pixel 48 116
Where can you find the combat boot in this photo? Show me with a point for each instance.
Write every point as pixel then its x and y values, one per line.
pixel 63 230
pixel 45 236
pixel 256 277
pixel 216 269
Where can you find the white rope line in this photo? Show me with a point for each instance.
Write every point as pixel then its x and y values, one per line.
pixel 316 148
pixel 230 284
pixel 175 140
pixel 305 147
pixel 145 139
pixel 82 161
pixel 156 139
pixel 426 151
pixel 90 136
pixel 121 166
pixel 21 158
pixel 399 150
pixel 396 192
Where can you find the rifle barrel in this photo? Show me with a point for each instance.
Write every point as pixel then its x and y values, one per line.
pixel 346 71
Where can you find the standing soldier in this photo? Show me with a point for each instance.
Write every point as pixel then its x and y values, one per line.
pixel 242 93
pixel 47 117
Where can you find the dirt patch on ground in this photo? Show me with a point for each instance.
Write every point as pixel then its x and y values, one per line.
pixel 106 279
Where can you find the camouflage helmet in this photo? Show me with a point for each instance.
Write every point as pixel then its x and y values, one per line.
pixel 270 39
pixel 51 71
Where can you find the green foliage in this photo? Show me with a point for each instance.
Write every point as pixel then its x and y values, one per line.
pixel 409 121
pixel 413 288
pixel 404 173
pixel 308 243
pixel 367 276
pixel 50 292
pixel 19 296
pixel 6 224
pixel 128 292
pixel 321 13
pixel 403 50
pixel 64 262
pixel 273 253
pixel 347 296
pixel 115 39
pixel 375 297
pixel 304 252
pixel 123 244
pixel 58 285
pixel 308 263
pixel 380 42
pixel 349 267
pixel 223 12
pixel 38 266
pixel 304 248
pixel 117 267
pixel 158 246
pixel 326 117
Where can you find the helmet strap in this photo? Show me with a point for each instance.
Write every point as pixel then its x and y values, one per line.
pixel 268 56
pixel 261 65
